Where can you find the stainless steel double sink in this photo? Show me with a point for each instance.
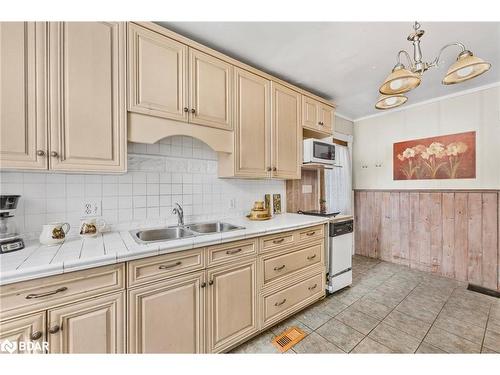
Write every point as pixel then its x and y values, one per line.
pixel 183 231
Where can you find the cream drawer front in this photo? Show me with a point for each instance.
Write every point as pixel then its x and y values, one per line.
pixel 55 290
pixel 310 234
pixel 231 251
pixel 277 241
pixel 279 304
pixel 164 266
pixel 281 265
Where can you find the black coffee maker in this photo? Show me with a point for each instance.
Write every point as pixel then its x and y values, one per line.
pixel 10 240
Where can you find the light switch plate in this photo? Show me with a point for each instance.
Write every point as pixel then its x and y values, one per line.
pixel 307 189
pixel 91 208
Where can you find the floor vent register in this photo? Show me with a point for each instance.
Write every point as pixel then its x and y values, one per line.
pixel 288 339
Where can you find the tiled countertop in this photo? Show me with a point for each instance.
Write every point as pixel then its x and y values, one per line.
pixel 74 254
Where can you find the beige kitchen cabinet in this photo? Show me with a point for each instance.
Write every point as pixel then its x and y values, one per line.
pixel 286 133
pixel 87 96
pixel 158 74
pixel 252 128
pixel 92 326
pixel 168 316
pixel 81 67
pixel 168 79
pixel 23 129
pixel 15 332
pixel 232 304
pixel 317 116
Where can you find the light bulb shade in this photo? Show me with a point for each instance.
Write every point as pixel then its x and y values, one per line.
pixel 466 67
pixel 400 80
pixel 390 101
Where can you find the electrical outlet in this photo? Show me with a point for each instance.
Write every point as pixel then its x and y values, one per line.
pixel 91 208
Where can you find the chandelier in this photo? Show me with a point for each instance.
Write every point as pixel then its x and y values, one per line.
pixel 405 78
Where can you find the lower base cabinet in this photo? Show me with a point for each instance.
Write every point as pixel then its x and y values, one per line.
pixel 232 304
pixel 167 317
pixel 93 326
pixel 15 332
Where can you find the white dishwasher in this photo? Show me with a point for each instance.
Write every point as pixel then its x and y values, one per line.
pixel 340 255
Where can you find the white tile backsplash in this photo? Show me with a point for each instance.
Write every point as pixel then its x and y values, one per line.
pixel 176 169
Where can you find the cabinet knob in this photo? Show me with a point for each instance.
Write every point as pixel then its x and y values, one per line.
pixel 36 335
pixel 203 284
pixel 40 153
pixel 193 110
pixel 275 169
pixel 186 109
pixel 211 282
pixel 268 169
pixel 54 154
pixel 54 329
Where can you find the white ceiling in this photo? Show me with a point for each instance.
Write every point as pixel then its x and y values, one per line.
pixel 347 61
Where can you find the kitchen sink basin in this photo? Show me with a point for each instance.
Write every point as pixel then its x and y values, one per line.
pixel 163 234
pixel 179 232
pixel 215 227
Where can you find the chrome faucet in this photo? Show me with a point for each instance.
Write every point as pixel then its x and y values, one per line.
pixel 180 214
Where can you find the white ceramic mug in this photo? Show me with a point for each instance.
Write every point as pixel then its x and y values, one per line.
pixel 90 226
pixel 54 233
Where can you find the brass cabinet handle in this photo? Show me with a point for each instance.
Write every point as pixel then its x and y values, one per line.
pixel 193 110
pixel 40 153
pixel 278 241
pixel 311 257
pixel 313 287
pixel 54 154
pixel 279 268
pixel 231 252
pixel 211 282
pixel 167 266
pixel 36 335
pixel 275 169
pixel 41 295
pixel 54 329
pixel 280 303
pixel 186 109
pixel 268 169
pixel 311 233
pixel 203 284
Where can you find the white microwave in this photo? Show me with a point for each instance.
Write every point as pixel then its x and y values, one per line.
pixel 318 151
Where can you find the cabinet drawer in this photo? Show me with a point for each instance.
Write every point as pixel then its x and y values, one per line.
pixel 277 241
pixel 165 266
pixel 310 234
pixel 283 302
pixel 55 290
pixel 231 251
pixel 280 265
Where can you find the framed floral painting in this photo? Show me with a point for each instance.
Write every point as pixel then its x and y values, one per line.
pixel 443 157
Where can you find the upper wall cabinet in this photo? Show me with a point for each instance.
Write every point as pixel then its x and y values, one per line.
pixel 23 140
pixel 87 96
pixel 171 80
pixel 317 116
pixel 83 66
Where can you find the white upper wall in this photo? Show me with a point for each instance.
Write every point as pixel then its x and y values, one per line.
pixel 344 126
pixel 374 138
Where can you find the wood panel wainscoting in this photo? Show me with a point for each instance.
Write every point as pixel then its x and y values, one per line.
pixel 452 233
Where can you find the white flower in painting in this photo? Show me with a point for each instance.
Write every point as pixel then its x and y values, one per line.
pixel 455 148
pixel 435 148
pixel 425 155
pixel 409 153
pixel 401 157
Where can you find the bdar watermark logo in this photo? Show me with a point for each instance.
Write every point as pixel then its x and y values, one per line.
pixel 7 346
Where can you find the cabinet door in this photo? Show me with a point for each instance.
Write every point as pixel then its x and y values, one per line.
pixel 88 110
pixel 232 300
pixel 310 112
pixel 210 91
pixel 157 74
pixel 326 118
pixel 22 95
pixel 286 133
pixel 16 332
pixel 93 326
pixel 167 317
pixel 252 124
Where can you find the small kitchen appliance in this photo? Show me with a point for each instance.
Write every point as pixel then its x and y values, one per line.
pixel 10 240
pixel 318 151
pixel 340 255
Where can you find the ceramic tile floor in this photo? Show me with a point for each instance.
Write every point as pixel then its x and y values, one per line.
pixel 393 309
